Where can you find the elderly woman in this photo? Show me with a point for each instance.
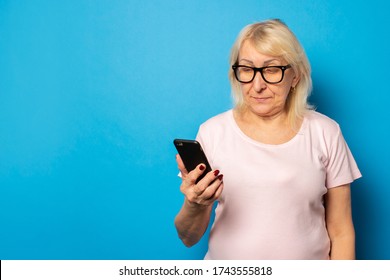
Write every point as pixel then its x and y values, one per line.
pixel 281 171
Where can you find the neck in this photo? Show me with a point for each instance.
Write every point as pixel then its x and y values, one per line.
pixel 272 121
pixel 273 129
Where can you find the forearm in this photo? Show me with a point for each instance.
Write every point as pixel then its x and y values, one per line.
pixel 191 222
pixel 339 223
pixel 343 246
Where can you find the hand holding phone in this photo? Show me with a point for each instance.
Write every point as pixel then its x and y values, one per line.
pixel 192 155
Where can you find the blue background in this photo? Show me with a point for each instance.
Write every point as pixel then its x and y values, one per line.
pixel 92 94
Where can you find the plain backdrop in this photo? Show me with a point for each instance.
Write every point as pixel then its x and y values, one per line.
pixel 92 94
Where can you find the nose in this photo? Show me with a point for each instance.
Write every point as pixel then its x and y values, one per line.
pixel 258 83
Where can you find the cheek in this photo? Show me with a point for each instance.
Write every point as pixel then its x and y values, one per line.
pixel 283 94
pixel 280 95
pixel 245 89
pixel 284 88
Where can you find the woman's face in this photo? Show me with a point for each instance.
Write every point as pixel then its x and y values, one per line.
pixel 261 98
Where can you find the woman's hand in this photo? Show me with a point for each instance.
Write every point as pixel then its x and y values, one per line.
pixel 193 218
pixel 206 191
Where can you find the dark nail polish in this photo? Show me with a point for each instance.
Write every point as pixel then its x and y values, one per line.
pixel 202 167
pixel 220 177
pixel 216 172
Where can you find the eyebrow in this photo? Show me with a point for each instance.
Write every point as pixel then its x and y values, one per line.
pixel 264 63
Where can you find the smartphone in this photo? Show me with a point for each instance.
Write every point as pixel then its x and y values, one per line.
pixel 192 155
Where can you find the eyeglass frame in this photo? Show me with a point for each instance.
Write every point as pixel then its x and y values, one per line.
pixel 260 69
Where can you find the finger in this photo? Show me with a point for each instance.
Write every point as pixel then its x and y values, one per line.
pixel 209 194
pixel 208 184
pixel 218 193
pixel 189 181
pixel 213 190
pixel 195 174
pixel 214 197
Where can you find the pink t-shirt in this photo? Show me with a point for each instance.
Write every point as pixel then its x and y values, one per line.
pixel 272 203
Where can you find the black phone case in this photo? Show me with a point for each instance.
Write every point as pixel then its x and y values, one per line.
pixel 192 155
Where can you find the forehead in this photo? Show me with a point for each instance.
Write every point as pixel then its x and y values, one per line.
pixel 249 53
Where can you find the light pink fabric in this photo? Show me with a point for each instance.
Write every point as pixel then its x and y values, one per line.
pixel 272 203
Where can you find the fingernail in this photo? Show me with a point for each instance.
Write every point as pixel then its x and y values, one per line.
pixel 202 167
pixel 216 172
pixel 220 177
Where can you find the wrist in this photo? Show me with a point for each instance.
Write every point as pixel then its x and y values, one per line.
pixel 193 206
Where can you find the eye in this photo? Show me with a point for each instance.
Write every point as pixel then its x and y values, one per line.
pixel 245 69
pixel 271 70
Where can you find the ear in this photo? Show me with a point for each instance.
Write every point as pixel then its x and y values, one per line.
pixel 295 80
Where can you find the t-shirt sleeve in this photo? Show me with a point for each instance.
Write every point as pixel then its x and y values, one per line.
pixel 341 167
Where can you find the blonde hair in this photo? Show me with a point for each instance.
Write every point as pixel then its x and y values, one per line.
pixel 274 38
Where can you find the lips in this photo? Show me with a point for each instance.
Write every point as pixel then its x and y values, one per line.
pixel 261 99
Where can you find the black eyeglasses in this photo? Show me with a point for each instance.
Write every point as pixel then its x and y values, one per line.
pixel 271 74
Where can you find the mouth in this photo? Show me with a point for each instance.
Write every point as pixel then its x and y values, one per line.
pixel 261 99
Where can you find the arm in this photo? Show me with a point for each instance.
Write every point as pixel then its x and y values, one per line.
pixel 193 218
pixel 339 223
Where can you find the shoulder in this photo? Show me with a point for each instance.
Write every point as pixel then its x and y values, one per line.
pixel 217 122
pixel 320 122
pixel 215 129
